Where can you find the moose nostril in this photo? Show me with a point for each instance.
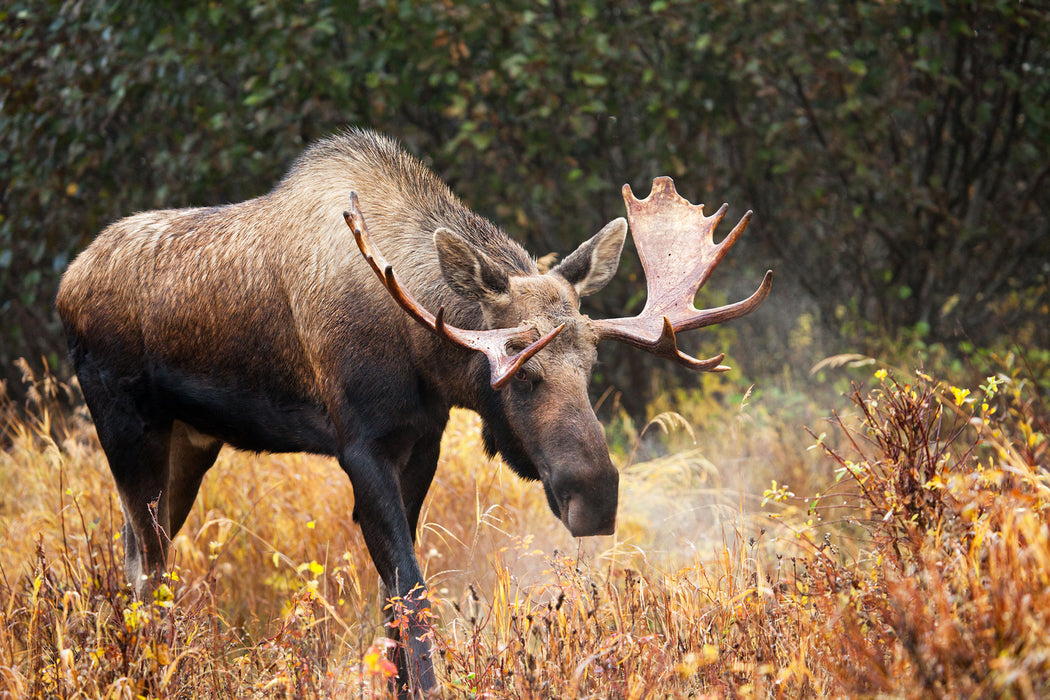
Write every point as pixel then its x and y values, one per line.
pixel 585 518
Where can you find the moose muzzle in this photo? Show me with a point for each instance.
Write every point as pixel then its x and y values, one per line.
pixel 587 506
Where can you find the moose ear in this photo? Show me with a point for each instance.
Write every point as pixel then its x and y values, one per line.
pixel 467 271
pixel 592 265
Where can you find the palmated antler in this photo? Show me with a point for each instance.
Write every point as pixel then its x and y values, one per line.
pixel 492 342
pixel 676 245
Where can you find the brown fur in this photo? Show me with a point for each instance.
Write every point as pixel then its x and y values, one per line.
pixel 172 281
pixel 259 324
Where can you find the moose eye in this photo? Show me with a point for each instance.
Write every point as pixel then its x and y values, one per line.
pixel 523 381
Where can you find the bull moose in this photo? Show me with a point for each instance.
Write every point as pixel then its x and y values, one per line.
pixel 260 326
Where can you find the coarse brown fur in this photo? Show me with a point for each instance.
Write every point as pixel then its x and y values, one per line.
pixel 260 325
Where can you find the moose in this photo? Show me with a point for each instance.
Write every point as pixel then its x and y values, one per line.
pixel 258 325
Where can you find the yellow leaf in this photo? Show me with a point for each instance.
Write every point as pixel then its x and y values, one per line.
pixel 960 395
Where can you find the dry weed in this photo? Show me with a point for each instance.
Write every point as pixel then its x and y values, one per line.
pixel 923 569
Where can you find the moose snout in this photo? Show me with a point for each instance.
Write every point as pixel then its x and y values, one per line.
pixel 588 507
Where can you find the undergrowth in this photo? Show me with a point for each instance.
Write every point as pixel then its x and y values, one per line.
pixel 918 566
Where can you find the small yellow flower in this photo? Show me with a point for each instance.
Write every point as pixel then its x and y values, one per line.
pixel 310 524
pixel 881 374
pixel 960 395
pixel 313 567
pixel 135 617
pixel 163 596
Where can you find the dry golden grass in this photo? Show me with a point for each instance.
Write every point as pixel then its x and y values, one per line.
pixel 921 568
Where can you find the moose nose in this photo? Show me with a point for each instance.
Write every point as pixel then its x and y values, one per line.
pixel 585 521
pixel 590 509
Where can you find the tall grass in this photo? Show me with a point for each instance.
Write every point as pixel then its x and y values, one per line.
pixel 918 564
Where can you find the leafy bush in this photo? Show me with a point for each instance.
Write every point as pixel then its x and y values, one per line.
pixel 894 153
pixel 947 594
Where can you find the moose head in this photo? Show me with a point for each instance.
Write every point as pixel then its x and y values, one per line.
pixel 546 428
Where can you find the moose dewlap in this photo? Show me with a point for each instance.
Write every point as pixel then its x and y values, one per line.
pixel 279 324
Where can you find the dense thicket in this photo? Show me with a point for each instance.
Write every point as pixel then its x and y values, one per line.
pixel 896 154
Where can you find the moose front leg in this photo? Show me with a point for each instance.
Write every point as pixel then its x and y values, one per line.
pixel 379 510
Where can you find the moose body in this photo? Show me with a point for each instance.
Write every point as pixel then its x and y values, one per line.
pixel 260 325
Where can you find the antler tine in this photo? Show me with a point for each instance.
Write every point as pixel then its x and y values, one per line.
pixel 721 314
pixel 502 367
pixel 667 347
pixel 492 342
pixel 675 243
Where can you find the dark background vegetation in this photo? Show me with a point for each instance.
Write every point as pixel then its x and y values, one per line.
pixel 896 154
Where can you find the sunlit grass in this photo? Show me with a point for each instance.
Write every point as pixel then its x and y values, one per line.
pixel 905 553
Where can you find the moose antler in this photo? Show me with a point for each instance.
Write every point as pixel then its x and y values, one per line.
pixel 676 245
pixel 492 342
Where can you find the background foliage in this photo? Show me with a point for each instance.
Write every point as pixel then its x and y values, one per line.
pixel 895 153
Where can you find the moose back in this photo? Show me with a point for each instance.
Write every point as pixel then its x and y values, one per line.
pixel 288 324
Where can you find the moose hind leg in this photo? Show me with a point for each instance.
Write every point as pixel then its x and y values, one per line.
pixel 192 454
pixel 136 447
pixel 139 462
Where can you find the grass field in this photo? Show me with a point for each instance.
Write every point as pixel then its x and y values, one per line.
pixel 909 557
